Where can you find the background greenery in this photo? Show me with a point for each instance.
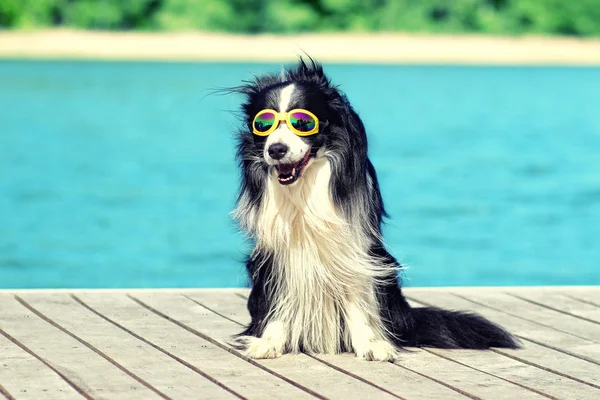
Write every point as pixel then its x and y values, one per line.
pixel 558 17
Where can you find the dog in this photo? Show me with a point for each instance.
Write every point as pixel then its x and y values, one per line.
pixel 309 199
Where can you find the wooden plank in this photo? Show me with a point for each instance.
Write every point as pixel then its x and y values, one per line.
pixel 574 367
pixel 554 362
pixel 562 303
pixel 592 292
pixel 247 380
pixel 422 364
pixel 79 364
pixel 162 372
pixel 25 376
pixel 301 369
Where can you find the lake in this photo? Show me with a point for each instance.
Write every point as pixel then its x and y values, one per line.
pixel 122 174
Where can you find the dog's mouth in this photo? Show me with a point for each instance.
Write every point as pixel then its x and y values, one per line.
pixel 289 173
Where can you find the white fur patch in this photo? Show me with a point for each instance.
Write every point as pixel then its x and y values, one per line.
pixel 377 350
pixel 324 274
pixel 270 345
pixel 285 97
pixel 297 146
pixel 364 341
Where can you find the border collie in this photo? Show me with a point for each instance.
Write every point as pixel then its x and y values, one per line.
pixel 322 279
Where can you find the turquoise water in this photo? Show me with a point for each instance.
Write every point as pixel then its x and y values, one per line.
pixel 122 174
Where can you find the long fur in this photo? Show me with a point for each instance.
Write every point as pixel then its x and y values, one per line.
pixel 322 280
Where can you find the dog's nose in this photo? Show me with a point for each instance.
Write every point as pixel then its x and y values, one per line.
pixel 277 151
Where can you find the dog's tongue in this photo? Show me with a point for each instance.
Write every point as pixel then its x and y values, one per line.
pixel 285 168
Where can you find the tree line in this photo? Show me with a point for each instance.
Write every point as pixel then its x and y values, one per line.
pixel 505 17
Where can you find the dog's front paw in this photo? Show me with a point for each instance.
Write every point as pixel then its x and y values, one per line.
pixel 377 350
pixel 255 347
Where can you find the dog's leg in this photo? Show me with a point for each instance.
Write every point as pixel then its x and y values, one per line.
pixel 270 345
pixel 256 342
pixel 365 342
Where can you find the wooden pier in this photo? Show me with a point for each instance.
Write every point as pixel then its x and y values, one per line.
pixel 172 344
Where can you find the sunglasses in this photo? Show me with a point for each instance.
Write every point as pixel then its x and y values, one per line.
pixel 301 122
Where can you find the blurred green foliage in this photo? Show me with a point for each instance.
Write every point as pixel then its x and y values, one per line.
pixel 559 17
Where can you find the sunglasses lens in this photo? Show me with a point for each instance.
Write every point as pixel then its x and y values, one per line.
pixel 264 122
pixel 302 122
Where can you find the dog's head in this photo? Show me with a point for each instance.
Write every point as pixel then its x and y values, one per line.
pixel 295 117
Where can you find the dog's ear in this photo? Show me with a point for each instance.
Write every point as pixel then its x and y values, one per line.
pixel 354 183
pixel 253 175
pixel 350 163
pixel 354 132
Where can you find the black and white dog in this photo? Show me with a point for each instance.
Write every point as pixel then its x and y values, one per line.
pixel 322 280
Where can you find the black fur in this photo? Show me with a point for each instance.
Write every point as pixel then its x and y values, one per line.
pixel 353 179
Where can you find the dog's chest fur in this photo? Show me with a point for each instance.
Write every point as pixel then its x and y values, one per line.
pixel 322 270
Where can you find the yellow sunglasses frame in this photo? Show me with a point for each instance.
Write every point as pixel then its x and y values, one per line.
pixel 285 117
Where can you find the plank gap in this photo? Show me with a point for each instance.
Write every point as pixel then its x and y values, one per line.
pixel 40 359
pixel 241 295
pixel 173 356
pixel 591 303
pixel 5 393
pixel 226 348
pixel 91 347
pixel 211 310
pixel 553 309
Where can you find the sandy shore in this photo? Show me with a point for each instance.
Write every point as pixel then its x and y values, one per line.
pixel 360 48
